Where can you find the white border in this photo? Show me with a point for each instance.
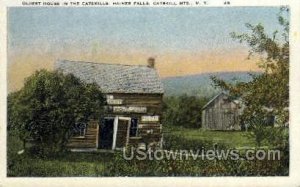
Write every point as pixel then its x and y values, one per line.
pixel 292 180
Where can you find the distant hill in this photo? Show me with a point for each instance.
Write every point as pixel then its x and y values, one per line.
pixel 201 84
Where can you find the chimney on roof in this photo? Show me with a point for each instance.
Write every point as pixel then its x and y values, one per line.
pixel 151 62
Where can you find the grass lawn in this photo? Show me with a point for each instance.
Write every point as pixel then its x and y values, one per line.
pixel 113 164
pixel 68 164
pixel 233 139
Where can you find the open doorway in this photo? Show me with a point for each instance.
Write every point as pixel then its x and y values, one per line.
pixel 106 134
pixel 114 133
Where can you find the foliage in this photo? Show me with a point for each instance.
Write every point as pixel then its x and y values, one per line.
pixel 274 137
pixel 183 111
pixel 48 106
pixel 268 93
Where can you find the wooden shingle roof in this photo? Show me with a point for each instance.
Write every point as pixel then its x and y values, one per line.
pixel 114 78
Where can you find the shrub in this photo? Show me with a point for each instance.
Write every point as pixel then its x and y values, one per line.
pixel 48 106
pixel 183 111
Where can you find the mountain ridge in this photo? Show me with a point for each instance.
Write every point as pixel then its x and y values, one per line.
pixel 200 84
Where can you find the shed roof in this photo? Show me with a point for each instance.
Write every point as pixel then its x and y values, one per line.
pixel 114 78
pixel 214 98
pixel 236 101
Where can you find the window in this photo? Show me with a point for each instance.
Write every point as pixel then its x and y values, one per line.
pixel 133 127
pixel 79 129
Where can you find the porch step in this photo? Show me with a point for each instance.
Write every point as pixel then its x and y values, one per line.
pixel 85 137
pixel 83 150
pixel 81 146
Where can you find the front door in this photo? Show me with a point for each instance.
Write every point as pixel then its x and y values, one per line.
pixel 106 133
pixel 122 134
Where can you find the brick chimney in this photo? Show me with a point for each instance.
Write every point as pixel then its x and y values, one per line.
pixel 151 62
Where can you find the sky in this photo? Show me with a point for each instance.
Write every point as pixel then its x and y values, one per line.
pixel 184 41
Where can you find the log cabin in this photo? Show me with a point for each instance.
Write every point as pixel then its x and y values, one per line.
pixel 222 113
pixel 133 108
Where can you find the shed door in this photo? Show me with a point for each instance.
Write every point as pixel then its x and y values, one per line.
pixel 122 134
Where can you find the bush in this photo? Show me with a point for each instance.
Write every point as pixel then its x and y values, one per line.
pixel 48 106
pixel 183 111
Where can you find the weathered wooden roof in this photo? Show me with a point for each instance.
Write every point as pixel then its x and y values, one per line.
pixel 236 101
pixel 211 101
pixel 114 78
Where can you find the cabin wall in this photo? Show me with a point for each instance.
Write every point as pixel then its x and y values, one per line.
pixel 88 141
pixel 147 108
pixel 221 114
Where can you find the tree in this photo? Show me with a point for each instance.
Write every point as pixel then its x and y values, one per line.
pixel 183 111
pixel 48 106
pixel 268 93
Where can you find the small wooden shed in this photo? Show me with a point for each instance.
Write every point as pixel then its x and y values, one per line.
pixel 134 105
pixel 221 113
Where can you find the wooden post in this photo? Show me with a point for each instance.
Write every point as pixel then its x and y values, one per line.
pixel 128 131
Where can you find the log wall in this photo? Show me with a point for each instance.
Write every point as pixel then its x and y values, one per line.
pixel 149 120
pixel 146 108
pixel 88 141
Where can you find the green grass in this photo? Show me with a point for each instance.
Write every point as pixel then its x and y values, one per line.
pixel 112 164
pixel 68 164
pixel 233 139
pixel 101 164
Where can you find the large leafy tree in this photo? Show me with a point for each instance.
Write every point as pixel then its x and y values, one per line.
pixel 48 106
pixel 184 111
pixel 268 92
